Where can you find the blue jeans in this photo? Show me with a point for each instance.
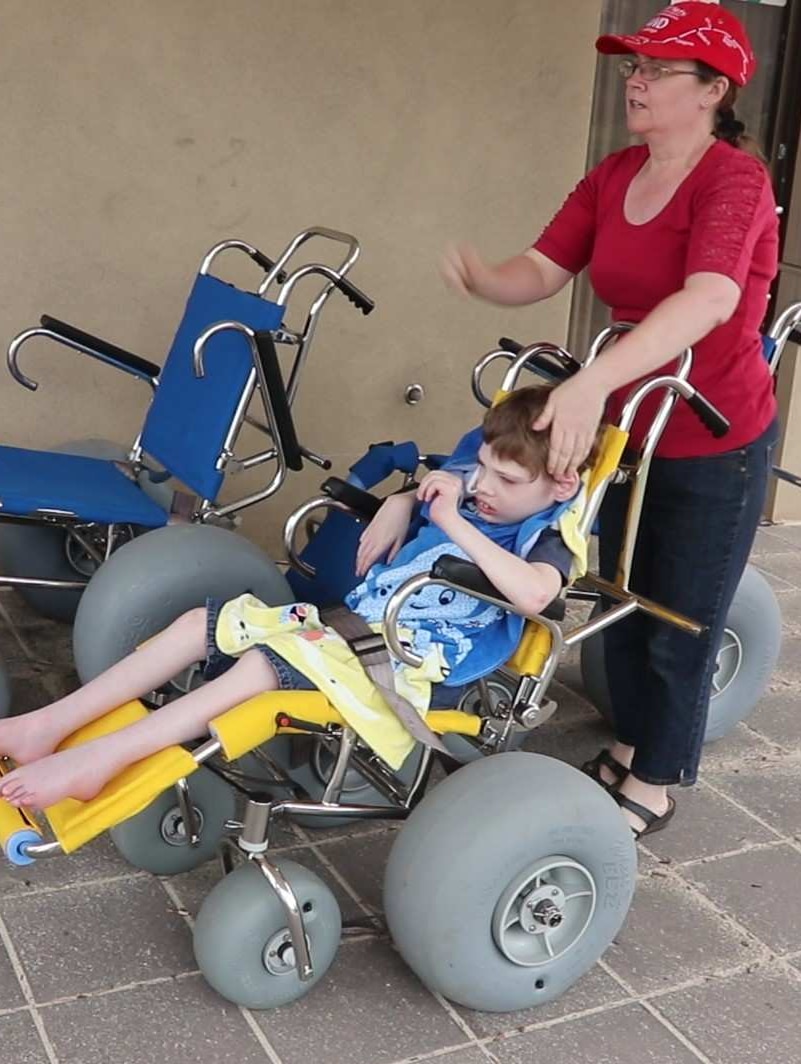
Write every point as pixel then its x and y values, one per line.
pixel 697 527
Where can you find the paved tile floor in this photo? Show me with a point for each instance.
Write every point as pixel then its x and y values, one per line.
pixel 96 963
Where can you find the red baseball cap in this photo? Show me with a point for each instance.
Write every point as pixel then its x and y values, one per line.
pixel 691 29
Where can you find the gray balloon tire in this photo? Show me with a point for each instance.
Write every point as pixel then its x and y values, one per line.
pixel 239 918
pixel 753 623
pixel 152 580
pixel 143 839
pixel 39 551
pixel 462 847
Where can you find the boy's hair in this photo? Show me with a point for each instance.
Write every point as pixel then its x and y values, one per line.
pixel 507 429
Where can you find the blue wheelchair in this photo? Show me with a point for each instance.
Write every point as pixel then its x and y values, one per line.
pixel 64 512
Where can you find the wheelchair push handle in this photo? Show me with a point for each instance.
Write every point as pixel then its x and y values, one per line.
pixel 355 295
pixel 262 260
pixel 337 279
pixel 717 424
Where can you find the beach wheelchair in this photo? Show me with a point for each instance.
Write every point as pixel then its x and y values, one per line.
pixel 507 881
pixel 64 512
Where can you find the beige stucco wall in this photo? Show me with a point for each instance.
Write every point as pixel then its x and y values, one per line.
pixel 137 135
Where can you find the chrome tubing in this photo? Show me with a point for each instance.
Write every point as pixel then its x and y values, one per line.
pixel 478 373
pixel 213 513
pixel 12 356
pixel 293 522
pixel 308 234
pixel 333 789
pixel 289 902
pixel 787 321
pixel 509 382
pixel 225 245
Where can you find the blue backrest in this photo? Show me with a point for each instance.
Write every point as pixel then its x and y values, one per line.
pixel 190 417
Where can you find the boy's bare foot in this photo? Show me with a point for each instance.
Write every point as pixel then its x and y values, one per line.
pixel 29 737
pixel 68 774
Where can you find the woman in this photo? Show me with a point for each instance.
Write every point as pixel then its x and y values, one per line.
pixel 680 235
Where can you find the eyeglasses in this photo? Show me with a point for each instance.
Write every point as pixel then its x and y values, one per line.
pixel 649 69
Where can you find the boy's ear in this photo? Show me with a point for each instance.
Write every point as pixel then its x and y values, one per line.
pixel 566 486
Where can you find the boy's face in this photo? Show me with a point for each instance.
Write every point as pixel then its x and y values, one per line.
pixel 506 492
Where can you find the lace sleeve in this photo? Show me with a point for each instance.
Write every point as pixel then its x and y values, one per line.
pixel 730 213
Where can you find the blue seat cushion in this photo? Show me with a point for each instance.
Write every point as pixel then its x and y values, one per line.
pixel 90 488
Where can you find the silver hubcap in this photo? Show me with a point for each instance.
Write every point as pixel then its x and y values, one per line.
pixel 173 829
pixel 279 956
pixel 544 911
pixel 727 663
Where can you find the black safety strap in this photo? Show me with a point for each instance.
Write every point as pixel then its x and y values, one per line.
pixel 373 656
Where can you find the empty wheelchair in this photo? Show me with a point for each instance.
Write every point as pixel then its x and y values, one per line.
pixel 65 511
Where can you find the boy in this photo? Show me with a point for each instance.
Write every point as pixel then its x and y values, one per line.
pixel 493 502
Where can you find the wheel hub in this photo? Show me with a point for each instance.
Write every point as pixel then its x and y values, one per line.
pixel 279 954
pixel 544 911
pixel 727 663
pixel 173 828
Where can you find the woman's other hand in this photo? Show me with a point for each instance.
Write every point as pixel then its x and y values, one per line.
pixel 463 269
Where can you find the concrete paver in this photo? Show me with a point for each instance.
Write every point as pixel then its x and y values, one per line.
pixel 96 962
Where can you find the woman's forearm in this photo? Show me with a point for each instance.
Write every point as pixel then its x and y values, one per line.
pixel 675 324
pixel 519 281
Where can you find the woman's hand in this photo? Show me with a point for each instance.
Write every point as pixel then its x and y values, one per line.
pixel 573 413
pixel 385 534
pixel 464 270
pixel 443 492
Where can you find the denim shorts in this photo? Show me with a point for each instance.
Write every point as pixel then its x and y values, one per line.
pixel 290 678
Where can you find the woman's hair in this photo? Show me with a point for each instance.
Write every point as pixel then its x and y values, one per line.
pixel 727 126
pixel 507 429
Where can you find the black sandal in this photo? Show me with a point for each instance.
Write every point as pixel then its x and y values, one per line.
pixel 653 822
pixel 592 768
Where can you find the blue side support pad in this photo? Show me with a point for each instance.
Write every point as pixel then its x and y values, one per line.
pixel 332 552
pixel 14 851
pixel 189 418
pixel 382 460
pixel 768 347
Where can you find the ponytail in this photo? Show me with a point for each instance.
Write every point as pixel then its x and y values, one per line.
pixel 727 125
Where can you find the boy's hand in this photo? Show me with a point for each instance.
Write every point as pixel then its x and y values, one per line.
pixel 386 532
pixel 443 492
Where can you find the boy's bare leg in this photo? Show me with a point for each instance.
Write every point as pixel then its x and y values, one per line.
pixel 33 735
pixel 82 771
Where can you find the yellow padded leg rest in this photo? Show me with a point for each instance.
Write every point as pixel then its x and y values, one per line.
pixel 254 722
pixel 75 823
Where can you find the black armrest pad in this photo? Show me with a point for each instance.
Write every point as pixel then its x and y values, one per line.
pixel 361 502
pixel 117 356
pixel 271 370
pixel 468 576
